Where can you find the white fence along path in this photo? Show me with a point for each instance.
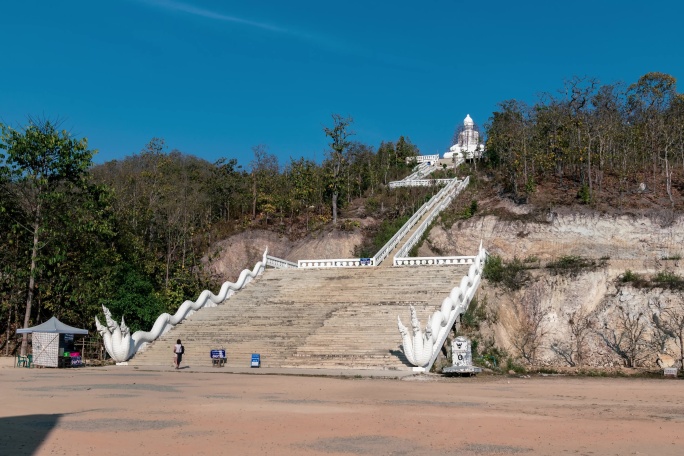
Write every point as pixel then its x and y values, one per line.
pixel 406 228
pixel 439 201
pixel 401 258
pixel 121 345
pixel 421 348
pixel 279 263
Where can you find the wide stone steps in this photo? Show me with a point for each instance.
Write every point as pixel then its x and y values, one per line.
pixel 327 318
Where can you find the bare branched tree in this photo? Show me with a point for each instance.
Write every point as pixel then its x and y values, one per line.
pixel 575 351
pixel 627 337
pixel 668 317
pixel 531 330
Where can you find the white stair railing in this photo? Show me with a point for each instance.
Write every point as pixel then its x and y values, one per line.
pixel 404 230
pixel 121 345
pixel 402 255
pixel 336 263
pixel 421 348
pixel 279 263
pixel 418 171
pixel 434 261
pixel 417 183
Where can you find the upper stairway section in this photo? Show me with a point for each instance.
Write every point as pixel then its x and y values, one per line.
pixel 332 318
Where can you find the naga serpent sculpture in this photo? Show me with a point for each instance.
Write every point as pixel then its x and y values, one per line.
pixel 121 345
pixel 420 347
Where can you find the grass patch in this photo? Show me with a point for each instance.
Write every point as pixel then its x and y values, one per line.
pixel 512 275
pixel 668 279
pixel 474 315
pixel 663 279
pixel 384 233
pixel 512 365
pixel 573 265
pixel 414 250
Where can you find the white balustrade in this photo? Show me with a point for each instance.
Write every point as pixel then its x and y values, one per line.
pixel 443 197
pixel 418 183
pixel 417 171
pixel 451 191
pixel 422 347
pixel 336 263
pixel 434 261
pixel 423 158
pixel 122 345
pixel 279 263
pixel 394 241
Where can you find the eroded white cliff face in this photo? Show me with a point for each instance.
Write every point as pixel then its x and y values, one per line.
pixel 643 241
pixel 644 245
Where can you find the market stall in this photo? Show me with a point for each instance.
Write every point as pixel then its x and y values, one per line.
pixel 53 344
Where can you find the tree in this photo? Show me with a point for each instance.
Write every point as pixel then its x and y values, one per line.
pixel 264 170
pixel 531 329
pixel 337 156
pixel 224 184
pixel 303 185
pixel 40 160
pixel 507 143
pixel 668 317
pixel 574 350
pixel 628 337
pixel 648 100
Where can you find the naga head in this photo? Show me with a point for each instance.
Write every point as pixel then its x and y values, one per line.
pixel 111 324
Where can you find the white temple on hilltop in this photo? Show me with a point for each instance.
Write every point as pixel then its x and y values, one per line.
pixel 468 145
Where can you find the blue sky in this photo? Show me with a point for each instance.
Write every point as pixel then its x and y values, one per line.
pixel 214 78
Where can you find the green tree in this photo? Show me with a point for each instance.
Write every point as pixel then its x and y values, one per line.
pixel 224 185
pixel 337 156
pixel 264 172
pixel 41 160
pixel 303 175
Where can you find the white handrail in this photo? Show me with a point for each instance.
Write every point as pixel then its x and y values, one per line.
pixel 121 345
pixel 471 282
pixel 446 193
pixel 421 348
pixel 453 191
pixel 434 261
pixel 336 263
pixel 392 243
pixel 279 263
pixel 417 182
pixel 417 172
pixel 423 158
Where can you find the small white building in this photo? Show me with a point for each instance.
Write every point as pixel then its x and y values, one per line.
pixel 468 145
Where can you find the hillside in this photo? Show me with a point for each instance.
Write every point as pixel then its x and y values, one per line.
pixel 641 237
pixel 618 272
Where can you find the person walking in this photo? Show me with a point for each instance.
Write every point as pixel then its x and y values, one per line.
pixel 178 351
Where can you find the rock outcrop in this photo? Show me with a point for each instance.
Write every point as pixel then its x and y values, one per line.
pixel 641 244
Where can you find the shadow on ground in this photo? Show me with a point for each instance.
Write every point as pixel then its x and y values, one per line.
pixel 23 435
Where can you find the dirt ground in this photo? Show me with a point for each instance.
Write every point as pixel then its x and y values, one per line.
pixel 123 411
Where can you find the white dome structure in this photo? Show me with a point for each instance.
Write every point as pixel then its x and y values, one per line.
pixel 468 146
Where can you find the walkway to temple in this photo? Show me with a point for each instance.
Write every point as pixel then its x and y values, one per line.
pixel 317 318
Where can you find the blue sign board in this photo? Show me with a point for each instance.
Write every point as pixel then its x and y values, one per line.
pixel 218 354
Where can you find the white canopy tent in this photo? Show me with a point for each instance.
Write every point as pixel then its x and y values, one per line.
pixel 48 340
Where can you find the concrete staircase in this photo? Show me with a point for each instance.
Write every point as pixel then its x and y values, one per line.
pixel 316 318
